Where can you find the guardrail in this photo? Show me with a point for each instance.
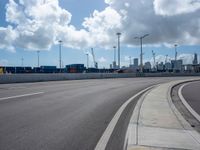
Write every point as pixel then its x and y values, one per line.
pixel 20 78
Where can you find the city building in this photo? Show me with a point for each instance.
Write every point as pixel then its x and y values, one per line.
pixel 135 60
pixel 195 61
pixel 147 67
pixel 160 67
pixel 168 66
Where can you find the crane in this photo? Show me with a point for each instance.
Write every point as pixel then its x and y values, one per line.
pixel 95 63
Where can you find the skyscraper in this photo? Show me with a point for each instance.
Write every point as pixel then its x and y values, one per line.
pixel 135 62
pixel 195 61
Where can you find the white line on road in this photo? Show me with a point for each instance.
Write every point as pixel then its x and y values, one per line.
pixel 18 96
pixel 192 111
pixel 102 143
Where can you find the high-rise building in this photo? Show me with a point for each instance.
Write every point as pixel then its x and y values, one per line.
pixel 147 65
pixel 135 62
pixel 195 61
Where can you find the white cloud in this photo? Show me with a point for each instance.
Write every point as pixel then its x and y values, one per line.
pixel 102 60
pixel 7 36
pixel 175 7
pixel 187 58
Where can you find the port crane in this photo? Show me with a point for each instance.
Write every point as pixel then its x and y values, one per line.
pixel 94 60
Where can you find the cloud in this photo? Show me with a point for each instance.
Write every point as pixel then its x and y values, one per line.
pixel 7 36
pixel 102 60
pixel 39 24
pixel 175 7
pixel 187 58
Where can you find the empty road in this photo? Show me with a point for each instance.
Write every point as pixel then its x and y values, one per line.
pixel 65 115
pixel 191 93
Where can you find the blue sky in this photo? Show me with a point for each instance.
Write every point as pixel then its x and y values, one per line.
pixel 104 54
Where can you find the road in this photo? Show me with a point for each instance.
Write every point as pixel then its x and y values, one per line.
pixel 65 115
pixel 191 93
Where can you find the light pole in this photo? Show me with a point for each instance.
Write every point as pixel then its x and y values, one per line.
pixel 60 58
pixel 141 53
pixel 114 62
pixel 38 56
pixel 114 47
pixel 87 61
pixel 175 58
pixel 118 36
pixel 175 46
pixel 130 61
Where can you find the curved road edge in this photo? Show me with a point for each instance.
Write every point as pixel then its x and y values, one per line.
pixel 103 141
pixel 190 109
pixel 156 123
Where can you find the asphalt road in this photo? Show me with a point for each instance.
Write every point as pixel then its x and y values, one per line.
pixel 191 93
pixel 64 115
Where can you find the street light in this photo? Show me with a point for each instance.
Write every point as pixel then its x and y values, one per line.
pixel 141 53
pixel 175 46
pixel 87 61
pixel 60 58
pixel 118 36
pixel 114 47
pixel 175 58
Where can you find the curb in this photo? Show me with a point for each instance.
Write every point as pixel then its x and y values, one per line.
pixel 192 111
pixel 185 128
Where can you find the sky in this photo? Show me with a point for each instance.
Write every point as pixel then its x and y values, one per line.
pixel 27 26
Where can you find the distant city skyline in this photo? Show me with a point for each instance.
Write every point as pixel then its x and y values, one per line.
pixel 26 27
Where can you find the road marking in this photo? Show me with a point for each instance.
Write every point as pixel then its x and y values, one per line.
pixel 17 96
pixel 192 111
pixel 102 143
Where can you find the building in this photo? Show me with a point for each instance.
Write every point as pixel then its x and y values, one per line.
pixel 168 66
pixel 147 67
pixel 195 61
pixel 160 67
pixel 114 65
pixel 135 60
pixel 177 66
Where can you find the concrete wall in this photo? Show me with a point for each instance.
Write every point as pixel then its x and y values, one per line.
pixel 20 78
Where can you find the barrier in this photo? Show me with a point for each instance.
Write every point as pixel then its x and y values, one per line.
pixel 21 78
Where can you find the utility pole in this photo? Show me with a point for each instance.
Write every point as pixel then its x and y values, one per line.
pixel 154 59
pixel 141 53
pixel 114 47
pixel 176 52
pixel 38 55
pixel 118 36
pixel 130 61
pixel 60 58
pixel 175 62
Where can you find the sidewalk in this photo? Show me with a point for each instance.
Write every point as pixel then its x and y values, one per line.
pixel 156 123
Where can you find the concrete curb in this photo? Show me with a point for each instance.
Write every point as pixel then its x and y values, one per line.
pixel 197 116
pixel 160 124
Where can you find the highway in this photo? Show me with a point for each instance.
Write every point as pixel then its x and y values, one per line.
pixel 191 93
pixel 66 115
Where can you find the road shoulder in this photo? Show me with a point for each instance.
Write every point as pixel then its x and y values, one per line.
pixel 160 124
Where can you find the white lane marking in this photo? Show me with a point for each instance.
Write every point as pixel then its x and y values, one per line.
pixel 194 113
pixel 18 96
pixel 102 143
